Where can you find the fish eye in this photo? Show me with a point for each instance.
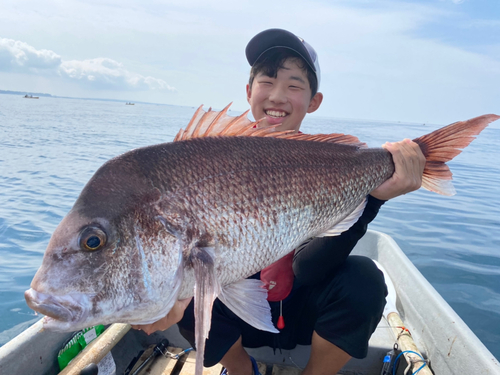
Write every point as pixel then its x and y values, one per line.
pixel 92 239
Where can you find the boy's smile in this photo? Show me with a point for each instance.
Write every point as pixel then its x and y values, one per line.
pixel 285 99
pixel 275 113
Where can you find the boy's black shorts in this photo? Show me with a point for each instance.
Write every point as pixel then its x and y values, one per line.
pixel 344 310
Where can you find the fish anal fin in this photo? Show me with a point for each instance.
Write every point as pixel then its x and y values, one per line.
pixel 206 290
pixel 444 144
pixel 213 123
pixel 346 223
pixel 247 298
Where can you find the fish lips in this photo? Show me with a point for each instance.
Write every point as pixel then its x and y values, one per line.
pixel 71 308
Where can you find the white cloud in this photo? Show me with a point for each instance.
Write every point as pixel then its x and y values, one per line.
pixel 19 56
pixel 99 73
pixel 107 73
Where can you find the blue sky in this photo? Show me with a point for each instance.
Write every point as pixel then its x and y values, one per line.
pixel 429 61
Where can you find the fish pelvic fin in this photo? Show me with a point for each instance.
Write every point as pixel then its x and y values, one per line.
pixel 248 300
pixel 217 124
pixel 443 145
pixel 205 291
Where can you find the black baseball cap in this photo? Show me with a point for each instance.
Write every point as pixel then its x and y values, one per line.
pixel 279 38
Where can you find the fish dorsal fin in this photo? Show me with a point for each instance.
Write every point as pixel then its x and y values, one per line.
pixel 213 123
pixel 216 124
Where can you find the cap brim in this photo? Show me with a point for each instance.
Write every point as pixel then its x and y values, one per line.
pixel 276 38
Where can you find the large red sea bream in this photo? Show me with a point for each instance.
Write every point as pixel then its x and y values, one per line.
pixel 199 215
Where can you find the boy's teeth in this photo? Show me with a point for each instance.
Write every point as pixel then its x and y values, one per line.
pixel 276 113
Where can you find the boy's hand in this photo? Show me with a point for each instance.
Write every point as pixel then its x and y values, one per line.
pixel 173 317
pixel 409 163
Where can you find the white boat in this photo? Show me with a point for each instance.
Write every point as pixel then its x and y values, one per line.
pixel 444 340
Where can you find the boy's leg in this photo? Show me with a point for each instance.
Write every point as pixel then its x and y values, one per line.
pixel 224 332
pixel 326 358
pixel 224 343
pixel 348 310
pixel 344 311
pixel 237 361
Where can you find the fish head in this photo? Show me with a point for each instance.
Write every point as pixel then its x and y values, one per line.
pixel 109 260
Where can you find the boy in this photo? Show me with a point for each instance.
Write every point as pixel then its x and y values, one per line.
pixel 330 300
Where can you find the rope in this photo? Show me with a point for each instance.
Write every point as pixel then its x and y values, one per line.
pixel 411 362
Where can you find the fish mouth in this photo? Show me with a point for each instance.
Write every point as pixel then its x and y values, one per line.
pixel 69 308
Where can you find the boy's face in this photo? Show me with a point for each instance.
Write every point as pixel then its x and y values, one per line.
pixel 283 100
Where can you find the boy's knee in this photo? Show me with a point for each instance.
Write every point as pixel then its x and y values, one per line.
pixel 351 305
pixel 358 287
pixel 368 290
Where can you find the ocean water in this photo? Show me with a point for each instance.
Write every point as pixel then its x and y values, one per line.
pixel 50 147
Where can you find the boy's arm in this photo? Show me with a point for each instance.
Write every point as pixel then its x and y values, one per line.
pixel 173 317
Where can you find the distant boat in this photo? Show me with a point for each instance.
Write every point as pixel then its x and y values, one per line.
pixel 30 97
pixel 129 103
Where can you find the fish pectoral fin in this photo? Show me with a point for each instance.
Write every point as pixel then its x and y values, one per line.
pixel 205 291
pixel 248 300
pixel 345 224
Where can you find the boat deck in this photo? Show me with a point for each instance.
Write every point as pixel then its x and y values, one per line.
pixel 185 365
pixel 279 362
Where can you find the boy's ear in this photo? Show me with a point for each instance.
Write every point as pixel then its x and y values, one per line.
pixel 249 92
pixel 315 102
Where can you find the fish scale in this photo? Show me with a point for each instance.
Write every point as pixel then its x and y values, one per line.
pixel 264 194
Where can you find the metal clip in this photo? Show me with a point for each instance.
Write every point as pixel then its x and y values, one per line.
pixel 176 356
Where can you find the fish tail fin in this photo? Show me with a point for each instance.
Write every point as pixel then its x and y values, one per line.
pixel 444 144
